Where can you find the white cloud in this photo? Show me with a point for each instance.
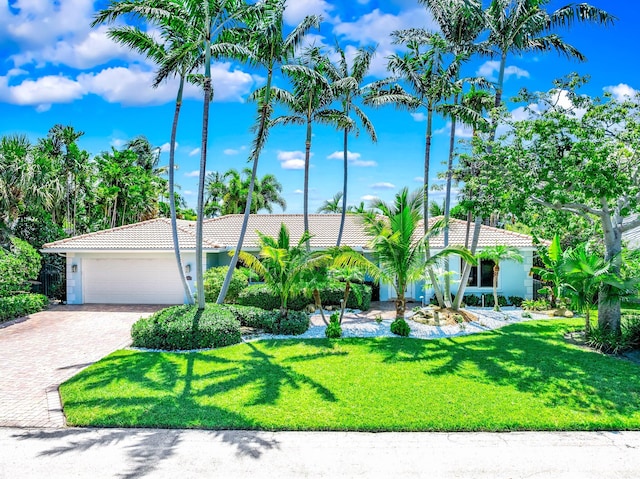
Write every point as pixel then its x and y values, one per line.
pixel 231 151
pixel 462 131
pixel 81 52
pixel 118 142
pixel 490 68
pixel 291 160
pixel 41 92
pixel 375 28
pixel 621 91
pixel 167 146
pixel 368 198
pixel 189 193
pixel 298 192
pixel 192 174
pixel 385 185
pixel 353 159
pixel 419 117
pixel 298 9
pixel 419 179
pixel 195 152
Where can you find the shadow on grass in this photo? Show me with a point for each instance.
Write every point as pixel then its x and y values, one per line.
pixel 144 449
pixel 533 358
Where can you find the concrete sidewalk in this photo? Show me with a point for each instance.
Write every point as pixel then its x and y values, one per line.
pixel 134 453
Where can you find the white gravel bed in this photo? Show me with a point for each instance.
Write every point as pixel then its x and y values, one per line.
pixel 487 320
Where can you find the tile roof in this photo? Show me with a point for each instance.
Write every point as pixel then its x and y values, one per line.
pixel 223 232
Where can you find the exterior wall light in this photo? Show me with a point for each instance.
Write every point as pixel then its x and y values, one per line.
pixel 74 268
pixel 187 268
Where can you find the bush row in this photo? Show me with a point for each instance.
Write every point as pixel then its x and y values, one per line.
pixel 185 328
pixel 260 296
pixel 12 307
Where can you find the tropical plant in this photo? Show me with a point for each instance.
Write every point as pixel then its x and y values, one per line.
pixel 519 26
pixel 334 205
pixel 269 47
pixel 347 86
pixel 397 245
pixel 431 80
pixel 587 273
pixel 497 254
pixel 281 264
pixel 553 271
pixel 307 103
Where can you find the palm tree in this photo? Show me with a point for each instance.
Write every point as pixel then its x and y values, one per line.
pixel 190 30
pixel 398 247
pixel 307 103
pixel 227 193
pixel 431 81
pixel 333 205
pixel 496 254
pixel 269 47
pixel 347 86
pixel 282 265
pixel 215 189
pixel 519 26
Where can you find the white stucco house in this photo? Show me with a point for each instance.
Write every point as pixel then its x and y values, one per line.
pixel 135 264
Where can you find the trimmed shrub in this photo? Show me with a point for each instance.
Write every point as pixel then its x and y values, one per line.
pixel 488 300
pixel 516 301
pixel 260 296
pixel 400 327
pixel 334 330
pixel 472 300
pixel 185 327
pixel 13 307
pixel 214 278
pixel 295 322
pixel 251 317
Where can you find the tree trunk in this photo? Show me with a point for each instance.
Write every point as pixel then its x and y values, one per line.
pixel 400 306
pixel 499 89
pixel 265 112
pixel 318 301
pixel 609 314
pixel 425 206
pixel 466 271
pixel 447 202
pixel 172 198
pixel 203 172
pixel 496 272
pixel 345 168
pixel 347 290
pixel 307 156
pixel 587 321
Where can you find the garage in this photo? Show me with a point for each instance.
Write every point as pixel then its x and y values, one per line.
pixel 131 281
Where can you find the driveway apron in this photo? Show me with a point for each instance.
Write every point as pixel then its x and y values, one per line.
pixel 41 351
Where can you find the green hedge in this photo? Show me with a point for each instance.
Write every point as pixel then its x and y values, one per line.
pixel 184 328
pixel 13 307
pixel 296 322
pixel 260 296
pixel 213 279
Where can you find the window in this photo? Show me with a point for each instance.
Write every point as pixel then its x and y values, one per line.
pixel 486 274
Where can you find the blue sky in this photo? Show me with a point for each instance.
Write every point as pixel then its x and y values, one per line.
pixel 55 69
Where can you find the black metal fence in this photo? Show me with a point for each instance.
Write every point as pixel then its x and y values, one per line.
pixel 52 281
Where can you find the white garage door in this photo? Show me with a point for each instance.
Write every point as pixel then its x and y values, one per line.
pixel 131 281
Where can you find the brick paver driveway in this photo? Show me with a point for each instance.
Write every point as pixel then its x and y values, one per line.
pixel 45 349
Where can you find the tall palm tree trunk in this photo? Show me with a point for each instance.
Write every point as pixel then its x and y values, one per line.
pixel 203 172
pixel 425 206
pixel 265 110
pixel 447 202
pixel 466 271
pixel 345 172
pixel 496 273
pixel 172 198
pixel 307 157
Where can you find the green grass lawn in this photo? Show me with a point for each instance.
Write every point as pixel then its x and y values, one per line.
pixel 521 377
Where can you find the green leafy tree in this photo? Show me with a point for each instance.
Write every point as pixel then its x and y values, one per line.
pixel 19 263
pixel 334 205
pixel 497 254
pixel 399 247
pixel 553 271
pixel 567 157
